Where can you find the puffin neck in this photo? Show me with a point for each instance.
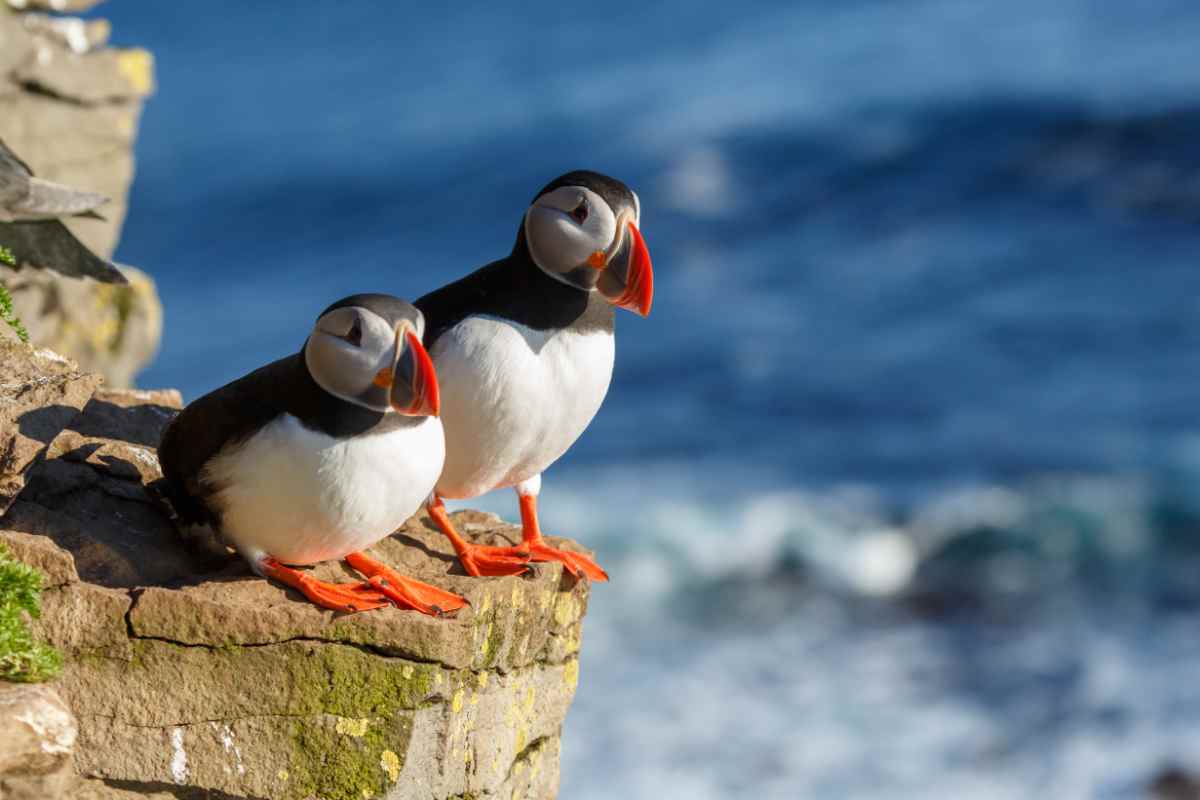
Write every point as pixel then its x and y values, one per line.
pixel 319 410
pixel 542 302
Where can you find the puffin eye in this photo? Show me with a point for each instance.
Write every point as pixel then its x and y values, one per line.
pixel 354 335
pixel 580 214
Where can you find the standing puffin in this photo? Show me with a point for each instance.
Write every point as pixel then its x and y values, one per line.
pixel 524 352
pixel 319 455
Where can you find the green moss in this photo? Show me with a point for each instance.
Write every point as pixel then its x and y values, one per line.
pixel 21 658
pixel 341 762
pixel 350 683
pixel 336 765
pixel 373 699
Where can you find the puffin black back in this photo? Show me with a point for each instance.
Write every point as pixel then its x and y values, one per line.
pixel 514 289
pixel 231 414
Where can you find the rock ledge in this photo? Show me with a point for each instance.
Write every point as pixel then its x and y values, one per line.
pixel 189 676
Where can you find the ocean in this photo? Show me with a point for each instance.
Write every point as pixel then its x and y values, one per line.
pixel 898 482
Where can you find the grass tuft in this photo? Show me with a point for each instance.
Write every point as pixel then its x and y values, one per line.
pixel 21 658
pixel 6 302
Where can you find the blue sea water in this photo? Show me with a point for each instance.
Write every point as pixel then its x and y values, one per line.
pixel 898 481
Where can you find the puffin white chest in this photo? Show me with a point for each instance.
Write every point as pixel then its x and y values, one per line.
pixel 514 399
pixel 303 496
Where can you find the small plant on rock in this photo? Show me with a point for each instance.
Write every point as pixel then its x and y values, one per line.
pixel 6 302
pixel 21 658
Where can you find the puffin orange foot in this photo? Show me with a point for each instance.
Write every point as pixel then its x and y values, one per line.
pixel 345 597
pixel 406 592
pixel 576 563
pixel 483 560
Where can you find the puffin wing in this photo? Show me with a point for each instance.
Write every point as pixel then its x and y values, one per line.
pixel 50 200
pixel 11 163
pixel 48 244
pixel 208 425
pixel 24 197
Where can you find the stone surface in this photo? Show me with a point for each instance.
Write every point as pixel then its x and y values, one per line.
pixel 40 392
pixel 107 328
pixel 69 107
pixel 190 675
pixel 37 738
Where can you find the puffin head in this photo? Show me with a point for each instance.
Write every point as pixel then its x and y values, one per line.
pixel 366 349
pixel 582 229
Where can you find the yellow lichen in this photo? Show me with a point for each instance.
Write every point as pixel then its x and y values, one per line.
pixel 456 702
pixel 487 641
pixel 530 697
pixel 391 764
pixel 282 775
pixel 565 611
pixel 481 680
pixel 545 599
pixel 571 673
pixel 352 727
pixel 512 715
pixel 518 596
pixel 137 66
pixel 407 671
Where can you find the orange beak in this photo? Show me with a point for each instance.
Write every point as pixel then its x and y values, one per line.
pixel 414 390
pixel 628 279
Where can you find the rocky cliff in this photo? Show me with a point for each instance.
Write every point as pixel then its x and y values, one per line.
pixel 188 677
pixel 69 106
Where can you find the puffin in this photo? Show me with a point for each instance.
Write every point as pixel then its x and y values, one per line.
pixel 30 212
pixel 524 352
pixel 319 455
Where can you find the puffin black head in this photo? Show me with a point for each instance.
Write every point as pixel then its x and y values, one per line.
pixel 366 349
pixel 582 229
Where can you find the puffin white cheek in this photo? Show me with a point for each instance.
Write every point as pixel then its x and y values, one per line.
pixel 556 243
pixel 344 370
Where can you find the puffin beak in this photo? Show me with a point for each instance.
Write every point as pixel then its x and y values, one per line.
pixel 414 390
pixel 627 280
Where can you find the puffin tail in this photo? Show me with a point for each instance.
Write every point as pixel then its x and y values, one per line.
pixel 197 532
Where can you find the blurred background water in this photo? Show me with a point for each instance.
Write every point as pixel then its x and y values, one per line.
pixel 898 483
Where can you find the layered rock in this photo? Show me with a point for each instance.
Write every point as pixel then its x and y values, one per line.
pixel 38 739
pixel 187 673
pixel 40 392
pixel 69 106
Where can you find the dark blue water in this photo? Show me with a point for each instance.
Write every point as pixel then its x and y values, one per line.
pixel 897 483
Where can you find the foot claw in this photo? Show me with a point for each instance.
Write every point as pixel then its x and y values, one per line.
pixel 491 562
pixel 406 592
pixel 345 597
pixel 575 563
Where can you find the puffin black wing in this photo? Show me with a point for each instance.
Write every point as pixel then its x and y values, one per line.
pixel 207 425
pixel 48 244
pixel 515 289
pixel 235 412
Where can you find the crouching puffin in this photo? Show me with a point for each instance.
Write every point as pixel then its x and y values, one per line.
pixel 319 455
pixel 524 353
